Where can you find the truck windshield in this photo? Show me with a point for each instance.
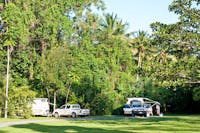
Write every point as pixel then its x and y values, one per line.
pixel 76 106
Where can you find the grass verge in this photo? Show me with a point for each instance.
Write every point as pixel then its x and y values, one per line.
pixel 166 124
pixel 20 119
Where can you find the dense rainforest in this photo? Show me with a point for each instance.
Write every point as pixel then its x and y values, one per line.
pixel 63 51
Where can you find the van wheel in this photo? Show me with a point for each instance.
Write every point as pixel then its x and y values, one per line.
pixel 56 115
pixel 73 115
pixel 146 115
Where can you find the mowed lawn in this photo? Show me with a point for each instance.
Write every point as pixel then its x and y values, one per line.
pixel 113 124
pixel 20 119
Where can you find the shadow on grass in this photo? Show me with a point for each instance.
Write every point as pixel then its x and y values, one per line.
pixel 63 129
pixel 190 119
pixel 115 124
pixel 183 123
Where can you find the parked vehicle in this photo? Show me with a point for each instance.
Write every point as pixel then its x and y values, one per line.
pixel 40 107
pixel 141 106
pixel 140 109
pixel 127 109
pixel 72 110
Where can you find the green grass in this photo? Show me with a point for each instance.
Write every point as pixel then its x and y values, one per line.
pixel 19 119
pixel 114 124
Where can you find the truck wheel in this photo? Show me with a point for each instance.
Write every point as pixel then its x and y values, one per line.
pixel 133 114
pixel 73 115
pixel 56 115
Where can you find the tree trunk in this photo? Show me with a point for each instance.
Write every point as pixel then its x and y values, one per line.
pixel 139 61
pixel 5 2
pixel 7 81
pixel 54 100
pixel 139 66
pixel 48 95
pixel 67 94
pixel 137 77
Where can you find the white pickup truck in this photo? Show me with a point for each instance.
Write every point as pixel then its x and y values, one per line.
pixel 72 110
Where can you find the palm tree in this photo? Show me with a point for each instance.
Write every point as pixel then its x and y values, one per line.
pixel 113 26
pixel 142 49
pixel 113 33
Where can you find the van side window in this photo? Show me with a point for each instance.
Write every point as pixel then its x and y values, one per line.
pixel 43 100
pixel 68 106
pixel 62 107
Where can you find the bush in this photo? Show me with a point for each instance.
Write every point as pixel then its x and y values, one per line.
pixel 101 105
pixel 27 112
pixel 118 111
pixel 19 101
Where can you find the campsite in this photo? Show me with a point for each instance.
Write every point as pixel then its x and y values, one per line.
pixel 99 66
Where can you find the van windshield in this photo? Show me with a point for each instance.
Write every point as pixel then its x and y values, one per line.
pixel 137 105
pixel 126 106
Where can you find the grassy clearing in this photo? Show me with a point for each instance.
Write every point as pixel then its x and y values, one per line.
pixel 19 119
pixel 166 124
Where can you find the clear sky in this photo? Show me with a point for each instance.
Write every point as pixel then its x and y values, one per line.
pixel 141 13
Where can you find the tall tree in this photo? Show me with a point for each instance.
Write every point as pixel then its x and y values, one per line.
pixel 179 43
pixel 142 50
pixel 13 29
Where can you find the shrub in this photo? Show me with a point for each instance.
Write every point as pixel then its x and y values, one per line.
pixel 19 101
pixel 101 105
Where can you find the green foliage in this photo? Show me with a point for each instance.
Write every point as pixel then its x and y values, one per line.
pixel 112 25
pixel 73 99
pixel 2 95
pixel 179 46
pixel 2 62
pixel 196 94
pixel 101 105
pixel 20 99
pixel 17 25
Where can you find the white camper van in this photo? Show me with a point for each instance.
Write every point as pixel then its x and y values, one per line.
pixel 40 107
pixel 141 106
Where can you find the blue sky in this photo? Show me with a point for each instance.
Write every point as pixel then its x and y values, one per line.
pixel 141 13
